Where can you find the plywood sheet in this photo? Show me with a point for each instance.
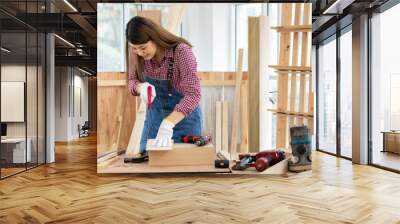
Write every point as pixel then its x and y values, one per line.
pixel 109 114
pixel 183 154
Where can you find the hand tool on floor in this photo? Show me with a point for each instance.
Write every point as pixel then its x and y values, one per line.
pixel 197 140
pixel 300 142
pixel 149 98
pixel 260 161
pixel 221 162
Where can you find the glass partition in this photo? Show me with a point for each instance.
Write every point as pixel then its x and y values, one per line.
pixel 327 96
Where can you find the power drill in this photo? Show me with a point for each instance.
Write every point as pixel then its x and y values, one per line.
pixel 197 140
pixel 261 161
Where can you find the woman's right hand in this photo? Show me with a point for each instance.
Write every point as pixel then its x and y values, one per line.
pixel 142 87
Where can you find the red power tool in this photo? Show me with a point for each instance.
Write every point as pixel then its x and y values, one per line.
pixel 149 98
pixel 260 161
pixel 197 140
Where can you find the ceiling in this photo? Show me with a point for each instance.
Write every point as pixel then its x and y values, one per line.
pixel 332 15
pixel 74 21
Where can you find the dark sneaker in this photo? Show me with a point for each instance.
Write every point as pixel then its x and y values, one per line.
pixel 138 158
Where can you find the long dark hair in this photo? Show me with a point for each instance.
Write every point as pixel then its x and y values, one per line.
pixel 140 30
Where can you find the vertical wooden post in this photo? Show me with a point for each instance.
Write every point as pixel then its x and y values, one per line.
pixel 244 119
pixel 236 105
pixel 218 126
pixel 284 53
pixel 257 66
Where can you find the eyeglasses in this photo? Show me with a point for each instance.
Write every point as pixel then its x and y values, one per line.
pixel 139 48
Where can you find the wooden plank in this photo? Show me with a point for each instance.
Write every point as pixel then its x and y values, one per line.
pixel 295 61
pixel 218 126
pixel 292 68
pixel 218 83
pixel 291 113
pixel 284 53
pixel 117 165
pixel 302 93
pixel 220 76
pixel 108 114
pixel 175 17
pixel 206 79
pixel 305 61
pixel 183 154
pixel 153 15
pixel 121 111
pixel 136 134
pixel 257 63
pixel 244 119
pixel 293 28
pixel 109 83
pixel 225 120
pixel 236 104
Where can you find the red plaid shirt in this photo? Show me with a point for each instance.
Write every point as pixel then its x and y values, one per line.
pixel 184 78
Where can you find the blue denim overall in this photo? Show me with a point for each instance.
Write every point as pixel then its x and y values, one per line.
pixel 161 107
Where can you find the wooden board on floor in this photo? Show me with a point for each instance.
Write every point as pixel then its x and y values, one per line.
pixel 117 165
pixel 183 154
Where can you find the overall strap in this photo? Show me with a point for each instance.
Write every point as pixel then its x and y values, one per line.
pixel 170 72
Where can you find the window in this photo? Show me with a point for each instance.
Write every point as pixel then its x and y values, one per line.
pixel 327 96
pixel 110 37
pixel 346 94
pixel 385 88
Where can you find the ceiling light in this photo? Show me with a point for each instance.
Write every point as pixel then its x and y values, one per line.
pixel 70 5
pixel 84 71
pixel 65 41
pixel 337 7
pixel 5 50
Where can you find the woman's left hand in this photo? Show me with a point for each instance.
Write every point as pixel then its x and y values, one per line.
pixel 164 134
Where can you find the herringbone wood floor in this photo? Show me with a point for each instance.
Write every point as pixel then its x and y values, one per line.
pixel 70 191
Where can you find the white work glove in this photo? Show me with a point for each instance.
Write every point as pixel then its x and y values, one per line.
pixel 164 134
pixel 143 92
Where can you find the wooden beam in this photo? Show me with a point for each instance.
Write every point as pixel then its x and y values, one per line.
pixel 218 126
pixel 293 28
pixel 154 15
pixel 291 68
pixel 284 54
pixel 236 104
pixel 109 83
pixel 257 64
pixel 175 16
pixel 291 113
pixel 244 119
pixel 295 61
pixel 225 124
pixel 136 134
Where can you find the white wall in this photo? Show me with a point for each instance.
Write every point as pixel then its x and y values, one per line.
pixel 196 28
pixel 208 28
pixel 68 82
